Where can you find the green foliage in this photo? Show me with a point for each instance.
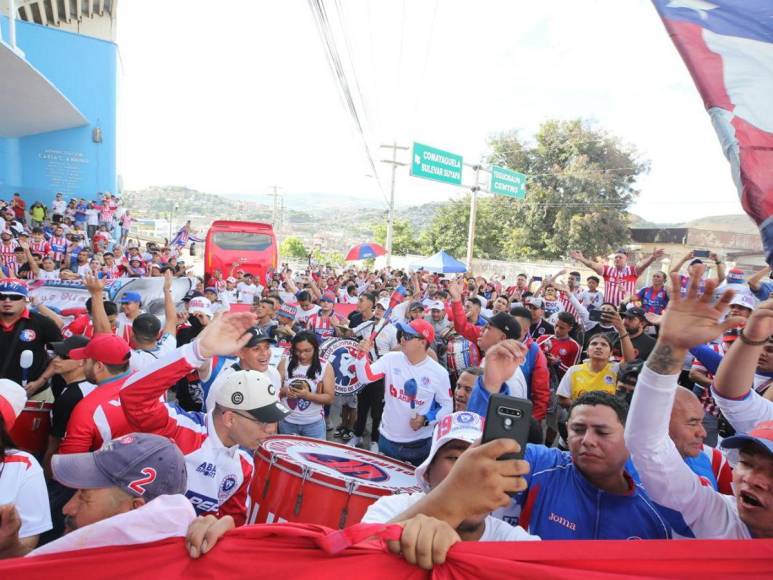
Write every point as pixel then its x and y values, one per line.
pixel 404 239
pixel 328 258
pixel 292 247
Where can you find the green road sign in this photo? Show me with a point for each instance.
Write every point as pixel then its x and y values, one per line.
pixel 431 163
pixel 508 182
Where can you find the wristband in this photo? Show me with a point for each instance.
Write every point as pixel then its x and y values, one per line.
pixel 750 342
pixel 622 336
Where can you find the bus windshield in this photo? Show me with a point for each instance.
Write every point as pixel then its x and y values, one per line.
pixel 242 241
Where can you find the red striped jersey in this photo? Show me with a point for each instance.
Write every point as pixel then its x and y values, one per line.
pixel 322 326
pixel 567 350
pixel 619 284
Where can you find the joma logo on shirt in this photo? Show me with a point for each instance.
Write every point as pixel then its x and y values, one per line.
pixel 562 521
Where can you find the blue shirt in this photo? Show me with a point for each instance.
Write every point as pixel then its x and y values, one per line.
pixel 763 293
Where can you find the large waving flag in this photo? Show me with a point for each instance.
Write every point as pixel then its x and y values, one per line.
pixel 728 47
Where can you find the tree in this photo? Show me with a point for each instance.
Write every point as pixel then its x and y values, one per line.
pixel 292 247
pixel 404 238
pixel 448 231
pixel 581 181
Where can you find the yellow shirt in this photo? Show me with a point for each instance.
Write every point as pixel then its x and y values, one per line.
pixel 581 379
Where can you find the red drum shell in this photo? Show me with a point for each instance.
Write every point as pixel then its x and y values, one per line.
pixel 32 426
pixel 340 482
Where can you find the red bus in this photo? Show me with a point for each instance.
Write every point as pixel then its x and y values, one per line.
pixel 251 245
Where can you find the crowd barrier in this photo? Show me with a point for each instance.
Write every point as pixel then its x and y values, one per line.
pixel 300 551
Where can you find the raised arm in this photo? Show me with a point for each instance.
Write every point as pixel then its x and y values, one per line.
pixel 676 266
pixel 96 288
pixel 34 268
pixel 170 311
pixel 595 266
pixel 720 267
pixel 626 346
pixel 754 281
pixel 735 375
pixel 657 253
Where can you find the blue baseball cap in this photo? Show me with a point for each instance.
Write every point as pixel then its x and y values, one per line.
pixel 13 286
pixel 141 464
pixel 131 297
pixel 761 435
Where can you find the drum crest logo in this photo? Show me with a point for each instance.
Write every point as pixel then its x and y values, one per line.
pixel 349 466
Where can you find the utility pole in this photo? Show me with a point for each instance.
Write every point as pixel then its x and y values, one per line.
pixel 275 207
pixel 473 214
pixel 391 216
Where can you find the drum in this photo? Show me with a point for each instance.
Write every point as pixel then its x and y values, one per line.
pixel 341 354
pixel 298 479
pixel 460 354
pixel 30 431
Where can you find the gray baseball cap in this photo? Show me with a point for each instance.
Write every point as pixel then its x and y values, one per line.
pixel 141 464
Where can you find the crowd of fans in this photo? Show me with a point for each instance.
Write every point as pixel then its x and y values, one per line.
pixel 652 412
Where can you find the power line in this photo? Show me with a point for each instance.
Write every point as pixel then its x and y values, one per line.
pixel 334 60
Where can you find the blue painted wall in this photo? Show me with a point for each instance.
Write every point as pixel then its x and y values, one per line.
pixel 84 69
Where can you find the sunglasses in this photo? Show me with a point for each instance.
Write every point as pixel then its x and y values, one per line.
pixel 11 297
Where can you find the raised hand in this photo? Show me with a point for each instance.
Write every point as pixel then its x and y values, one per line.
pixel 226 334
pixel 168 280
pixel 576 255
pixel 93 284
pixel 502 360
pixel 759 326
pixel 454 291
pixel 695 319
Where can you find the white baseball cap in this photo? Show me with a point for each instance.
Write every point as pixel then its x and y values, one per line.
pixel 436 305
pixel 200 304
pixel 253 392
pixel 13 397
pixel 462 425
pixel 384 303
pixel 743 300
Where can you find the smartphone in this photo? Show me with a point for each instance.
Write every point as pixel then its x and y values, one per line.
pixel 595 315
pixel 536 278
pixel 508 418
pixel 700 253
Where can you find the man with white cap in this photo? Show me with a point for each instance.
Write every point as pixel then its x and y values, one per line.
pixel 24 513
pixel 452 436
pixel 217 445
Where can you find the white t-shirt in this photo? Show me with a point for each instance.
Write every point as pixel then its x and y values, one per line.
pixel 302 316
pixel 141 359
pixel 432 385
pixel 305 412
pixel 44 275
pixel 167 516
pixel 92 217
pixel 516 384
pixel 247 292
pixel 388 507
pixel 58 206
pixel 23 485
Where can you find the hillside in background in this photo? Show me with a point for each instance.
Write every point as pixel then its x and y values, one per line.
pixel 326 220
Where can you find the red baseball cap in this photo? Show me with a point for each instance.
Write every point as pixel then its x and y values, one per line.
pixel 418 327
pixel 106 348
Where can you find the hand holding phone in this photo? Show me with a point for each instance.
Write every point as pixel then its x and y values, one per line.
pixel 508 418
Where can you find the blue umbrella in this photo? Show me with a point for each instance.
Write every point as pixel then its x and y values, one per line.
pixel 441 263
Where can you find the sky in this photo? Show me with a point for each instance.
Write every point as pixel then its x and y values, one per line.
pixel 235 97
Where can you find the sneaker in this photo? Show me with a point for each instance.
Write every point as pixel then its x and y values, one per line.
pixel 328 426
pixel 374 447
pixel 346 435
pixel 354 441
pixel 338 432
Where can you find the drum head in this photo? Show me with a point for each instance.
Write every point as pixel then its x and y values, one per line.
pixel 343 464
pixel 341 354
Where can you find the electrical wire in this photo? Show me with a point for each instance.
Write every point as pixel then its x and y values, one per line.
pixel 334 59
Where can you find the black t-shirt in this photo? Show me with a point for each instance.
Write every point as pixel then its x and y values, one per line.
pixel 355 318
pixel 541 328
pixel 35 333
pixel 65 403
pixel 642 346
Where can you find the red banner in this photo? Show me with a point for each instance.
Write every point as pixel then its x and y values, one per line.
pixel 307 551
